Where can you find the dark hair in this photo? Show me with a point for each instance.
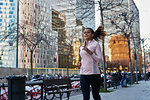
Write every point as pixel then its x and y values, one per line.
pixel 92 31
pixel 98 33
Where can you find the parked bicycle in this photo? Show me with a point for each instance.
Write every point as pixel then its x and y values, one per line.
pixel 3 91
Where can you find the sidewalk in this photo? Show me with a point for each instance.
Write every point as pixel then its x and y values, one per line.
pixel 139 91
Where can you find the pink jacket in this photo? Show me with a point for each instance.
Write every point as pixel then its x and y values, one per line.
pixel 89 63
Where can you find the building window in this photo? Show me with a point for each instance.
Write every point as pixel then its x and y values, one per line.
pixel 1 3
pixel 11 0
pixel 11 12
pixel 12 20
pixel 38 61
pixel 13 8
pixel 12 4
pixel 1 12
pixel 10 16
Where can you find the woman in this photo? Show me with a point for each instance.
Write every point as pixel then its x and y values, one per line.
pixel 91 55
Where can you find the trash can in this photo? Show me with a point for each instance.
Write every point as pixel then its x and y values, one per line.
pixel 16 87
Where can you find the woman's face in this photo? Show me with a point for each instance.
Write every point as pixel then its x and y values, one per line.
pixel 88 34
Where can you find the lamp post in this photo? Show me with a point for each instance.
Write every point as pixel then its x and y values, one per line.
pixel 144 59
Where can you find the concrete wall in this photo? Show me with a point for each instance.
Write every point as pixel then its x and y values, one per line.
pixel 11 71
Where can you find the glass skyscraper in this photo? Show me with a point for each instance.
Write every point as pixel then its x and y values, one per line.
pixel 8 23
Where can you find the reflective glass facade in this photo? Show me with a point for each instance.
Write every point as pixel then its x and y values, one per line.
pixel 8 20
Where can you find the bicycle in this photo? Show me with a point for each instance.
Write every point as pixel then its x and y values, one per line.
pixel 33 92
pixel 3 91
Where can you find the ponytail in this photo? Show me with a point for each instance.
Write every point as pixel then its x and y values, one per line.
pixel 98 34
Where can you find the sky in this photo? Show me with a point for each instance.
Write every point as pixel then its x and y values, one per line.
pixel 144 12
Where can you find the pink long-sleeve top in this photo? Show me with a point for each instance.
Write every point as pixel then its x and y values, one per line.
pixel 89 63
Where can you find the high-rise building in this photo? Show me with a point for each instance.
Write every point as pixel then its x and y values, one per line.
pixel 8 23
pixel 118 45
pixel 135 29
pixel 58 25
pixel 36 19
pixel 73 28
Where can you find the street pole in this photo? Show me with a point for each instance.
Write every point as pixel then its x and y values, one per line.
pixel 144 64
pixel 17 33
pixel 144 60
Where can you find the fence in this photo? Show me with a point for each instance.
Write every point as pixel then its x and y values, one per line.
pixel 62 71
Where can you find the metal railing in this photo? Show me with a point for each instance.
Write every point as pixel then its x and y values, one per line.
pixel 62 71
pixel 32 84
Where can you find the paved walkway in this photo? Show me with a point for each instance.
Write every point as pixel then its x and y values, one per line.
pixel 139 91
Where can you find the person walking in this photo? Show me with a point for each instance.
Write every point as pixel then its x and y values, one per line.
pixel 124 79
pixel 91 55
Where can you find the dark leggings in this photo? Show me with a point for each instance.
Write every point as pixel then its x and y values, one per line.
pixel 94 81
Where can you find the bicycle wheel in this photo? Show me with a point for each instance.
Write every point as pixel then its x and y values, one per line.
pixel 58 95
pixel 37 95
pixel 49 96
pixel 28 95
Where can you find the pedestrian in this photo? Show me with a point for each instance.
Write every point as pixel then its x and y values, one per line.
pixel 124 79
pixel 109 80
pixel 119 75
pixel 91 55
pixel 115 80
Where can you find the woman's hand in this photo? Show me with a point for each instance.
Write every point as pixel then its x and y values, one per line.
pixel 87 50
pixel 79 64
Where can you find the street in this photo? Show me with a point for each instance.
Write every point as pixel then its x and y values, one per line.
pixel 139 91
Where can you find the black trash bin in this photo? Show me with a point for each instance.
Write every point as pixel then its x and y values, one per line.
pixel 16 87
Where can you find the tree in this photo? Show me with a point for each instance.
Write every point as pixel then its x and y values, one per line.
pixel 33 39
pixel 124 21
pixel 104 5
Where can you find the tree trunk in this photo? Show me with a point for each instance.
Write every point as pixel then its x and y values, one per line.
pixel 31 52
pixel 68 66
pixel 104 62
pixel 130 62
pixel 135 56
pixel 104 66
